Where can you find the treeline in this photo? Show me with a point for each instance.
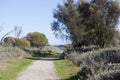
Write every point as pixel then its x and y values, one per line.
pixel 32 39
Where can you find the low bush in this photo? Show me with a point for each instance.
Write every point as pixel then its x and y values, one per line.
pixel 107 55
pixel 86 48
pixel 95 63
pixel 65 68
pixel 9 41
pixel 109 75
pixel 97 71
pixel 33 51
pixel 9 52
pixel 78 50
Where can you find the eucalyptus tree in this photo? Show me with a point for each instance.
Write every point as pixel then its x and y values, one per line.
pixel 86 22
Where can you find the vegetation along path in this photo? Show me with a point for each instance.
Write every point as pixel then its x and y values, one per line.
pixel 42 69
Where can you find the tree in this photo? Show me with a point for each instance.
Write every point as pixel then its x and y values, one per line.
pixel 87 22
pixel 37 39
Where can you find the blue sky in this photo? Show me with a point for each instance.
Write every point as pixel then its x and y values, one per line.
pixel 31 15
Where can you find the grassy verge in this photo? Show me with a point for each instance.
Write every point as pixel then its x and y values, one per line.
pixel 12 67
pixel 65 68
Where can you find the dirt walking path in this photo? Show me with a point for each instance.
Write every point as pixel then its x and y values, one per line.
pixel 40 70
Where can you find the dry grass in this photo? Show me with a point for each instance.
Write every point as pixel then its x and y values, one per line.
pixel 10 68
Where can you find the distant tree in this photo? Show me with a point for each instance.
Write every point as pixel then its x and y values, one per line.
pixel 87 22
pixel 37 39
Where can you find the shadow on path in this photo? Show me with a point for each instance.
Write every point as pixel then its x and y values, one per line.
pixel 47 58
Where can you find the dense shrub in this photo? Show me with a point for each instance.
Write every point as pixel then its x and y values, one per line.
pixel 78 50
pixel 37 39
pixel 9 41
pixel 86 48
pixel 109 75
pixel 9 52
pixel 107 55
pixel 33 51
pixel 94 64
pixel 21 43
pixel 98 72
pixel 46 50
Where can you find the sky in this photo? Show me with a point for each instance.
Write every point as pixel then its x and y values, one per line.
pixel 31 15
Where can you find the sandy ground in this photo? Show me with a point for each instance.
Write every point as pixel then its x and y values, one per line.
pixel 40 70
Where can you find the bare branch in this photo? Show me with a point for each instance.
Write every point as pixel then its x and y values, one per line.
pixel 18 31
pixel 6 35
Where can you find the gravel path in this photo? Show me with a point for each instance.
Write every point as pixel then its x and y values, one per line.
pixel 40 70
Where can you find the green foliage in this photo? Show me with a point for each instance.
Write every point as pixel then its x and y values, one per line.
pixel 68 46
pixel 89 22
pixel 37 39
pixel 107 55
pixel 46 50
pixel 21 43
